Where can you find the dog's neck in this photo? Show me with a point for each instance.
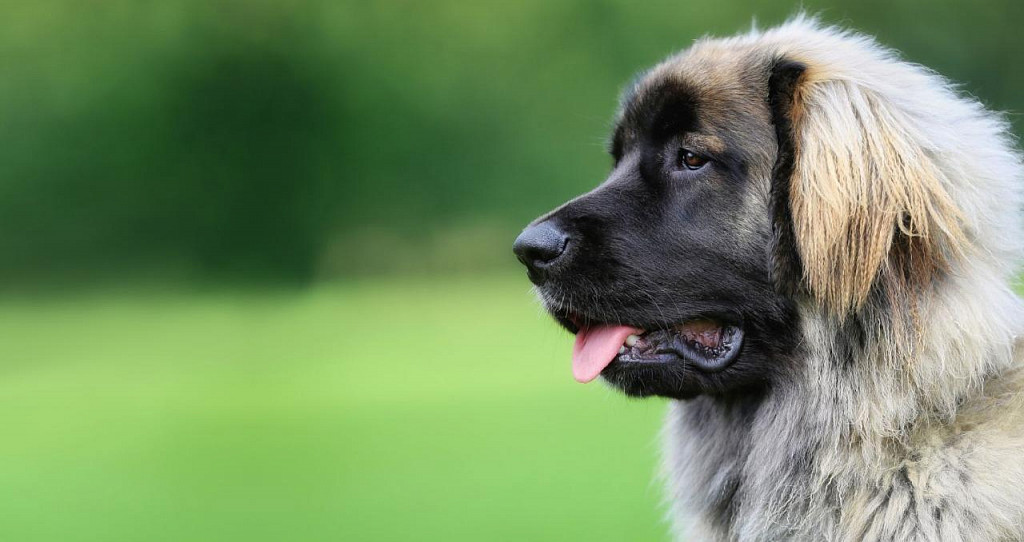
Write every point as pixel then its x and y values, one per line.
pixel 849 413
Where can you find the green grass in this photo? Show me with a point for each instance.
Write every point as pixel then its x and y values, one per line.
pixel 371 411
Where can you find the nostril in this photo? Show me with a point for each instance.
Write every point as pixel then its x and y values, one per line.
pixel 546 253
pixel 540 245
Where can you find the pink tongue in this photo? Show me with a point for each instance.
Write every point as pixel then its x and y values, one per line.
pixel 595 348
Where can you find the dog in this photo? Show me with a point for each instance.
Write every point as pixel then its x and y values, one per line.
pixel 809 245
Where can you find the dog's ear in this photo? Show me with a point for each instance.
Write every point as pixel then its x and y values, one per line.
pixel 857 199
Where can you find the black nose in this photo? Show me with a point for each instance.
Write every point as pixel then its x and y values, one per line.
pixel 540 245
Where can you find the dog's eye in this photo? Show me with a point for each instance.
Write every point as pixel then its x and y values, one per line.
pixel 690 160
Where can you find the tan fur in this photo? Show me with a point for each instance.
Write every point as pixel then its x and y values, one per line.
pixel 860 179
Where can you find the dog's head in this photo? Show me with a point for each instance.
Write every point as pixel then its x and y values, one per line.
pixel 748 176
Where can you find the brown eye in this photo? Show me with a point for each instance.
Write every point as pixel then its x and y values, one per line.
pixel 690 160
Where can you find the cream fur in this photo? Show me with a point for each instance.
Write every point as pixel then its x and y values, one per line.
pixel 921 437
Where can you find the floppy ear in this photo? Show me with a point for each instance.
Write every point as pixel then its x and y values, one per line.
pixel 858 201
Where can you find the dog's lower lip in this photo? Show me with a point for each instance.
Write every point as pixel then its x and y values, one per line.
pixel 680 346
pixel 654 359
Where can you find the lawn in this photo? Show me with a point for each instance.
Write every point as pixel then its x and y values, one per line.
pixel 378 410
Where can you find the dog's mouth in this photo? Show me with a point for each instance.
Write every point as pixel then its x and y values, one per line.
pixel 708 344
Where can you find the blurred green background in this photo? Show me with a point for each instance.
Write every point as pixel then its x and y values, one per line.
pixel 258 281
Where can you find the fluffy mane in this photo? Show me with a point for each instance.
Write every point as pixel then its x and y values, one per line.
pixel 903 418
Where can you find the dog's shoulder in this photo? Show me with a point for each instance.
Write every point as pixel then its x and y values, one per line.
pixel 963 480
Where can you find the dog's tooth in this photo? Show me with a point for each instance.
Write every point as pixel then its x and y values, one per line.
pixel 622 349
pixel 631 340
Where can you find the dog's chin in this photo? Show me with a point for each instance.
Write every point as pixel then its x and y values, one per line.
pixel 669 359
pixel 671 380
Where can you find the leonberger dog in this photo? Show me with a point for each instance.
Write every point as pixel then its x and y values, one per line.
pixel 809 245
